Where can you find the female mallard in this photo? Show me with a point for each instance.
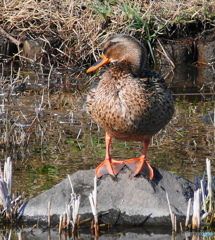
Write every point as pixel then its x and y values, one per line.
pixel 129 102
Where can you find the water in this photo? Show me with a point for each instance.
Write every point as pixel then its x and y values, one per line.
pixel 46 131
pixel 135 233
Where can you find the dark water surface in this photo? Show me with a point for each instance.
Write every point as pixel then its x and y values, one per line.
pixel 46 132
pixel 130 234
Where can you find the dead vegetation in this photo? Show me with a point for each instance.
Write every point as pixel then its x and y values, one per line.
pixel 70 32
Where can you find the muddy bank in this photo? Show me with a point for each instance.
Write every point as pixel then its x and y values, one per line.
pixel 187 50
pixel 197 50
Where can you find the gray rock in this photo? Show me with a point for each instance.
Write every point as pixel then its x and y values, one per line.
pixel 125 200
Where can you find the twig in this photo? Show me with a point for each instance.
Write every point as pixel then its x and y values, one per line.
pixel 5 34
pixel 31 230
pixel 166 55
pixel 49 77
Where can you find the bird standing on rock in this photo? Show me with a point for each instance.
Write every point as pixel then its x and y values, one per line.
pixel 130 103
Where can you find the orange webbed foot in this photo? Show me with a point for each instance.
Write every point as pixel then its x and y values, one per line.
pixel 140 165
pixel 109 166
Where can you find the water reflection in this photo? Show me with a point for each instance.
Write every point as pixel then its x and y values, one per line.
pixel 135 233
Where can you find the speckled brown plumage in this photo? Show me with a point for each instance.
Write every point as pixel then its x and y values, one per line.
pixel 129 102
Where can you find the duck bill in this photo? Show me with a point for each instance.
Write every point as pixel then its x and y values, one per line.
pixel 104 60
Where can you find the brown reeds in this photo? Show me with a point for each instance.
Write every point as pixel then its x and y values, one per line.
pixel 71 30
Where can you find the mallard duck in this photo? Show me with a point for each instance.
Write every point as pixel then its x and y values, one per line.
pixel 130 103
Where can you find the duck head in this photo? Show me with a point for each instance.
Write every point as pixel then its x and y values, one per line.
pixel 122 47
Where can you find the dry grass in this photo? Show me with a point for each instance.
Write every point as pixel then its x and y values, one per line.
pixel 72 30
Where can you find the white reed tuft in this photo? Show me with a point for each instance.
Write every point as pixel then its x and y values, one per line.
pixel 5 186
pixel 71 215
pixel 73 207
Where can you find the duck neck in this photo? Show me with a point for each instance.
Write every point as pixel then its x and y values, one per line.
pixel 129 67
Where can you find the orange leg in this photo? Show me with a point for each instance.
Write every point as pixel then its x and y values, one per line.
pixel 140 165
pixel 109 165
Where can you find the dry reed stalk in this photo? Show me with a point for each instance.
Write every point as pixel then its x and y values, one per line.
pixel 188 214
pixel 93 204
pixel 203 195
pixel 214 118
pixel 48 87
pixel 65 220
pixel 19 234
pixel 209 186
pixel 49 213
pixel 172 215
pixel 8 175
pixel 4 199
pixel 31 230
pixel 60 228
pixel 196 210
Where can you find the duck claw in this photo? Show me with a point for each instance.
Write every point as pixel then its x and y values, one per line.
pixel 109 166
pixel 140 165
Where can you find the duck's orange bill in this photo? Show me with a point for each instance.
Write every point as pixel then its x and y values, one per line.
pixel 104 60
